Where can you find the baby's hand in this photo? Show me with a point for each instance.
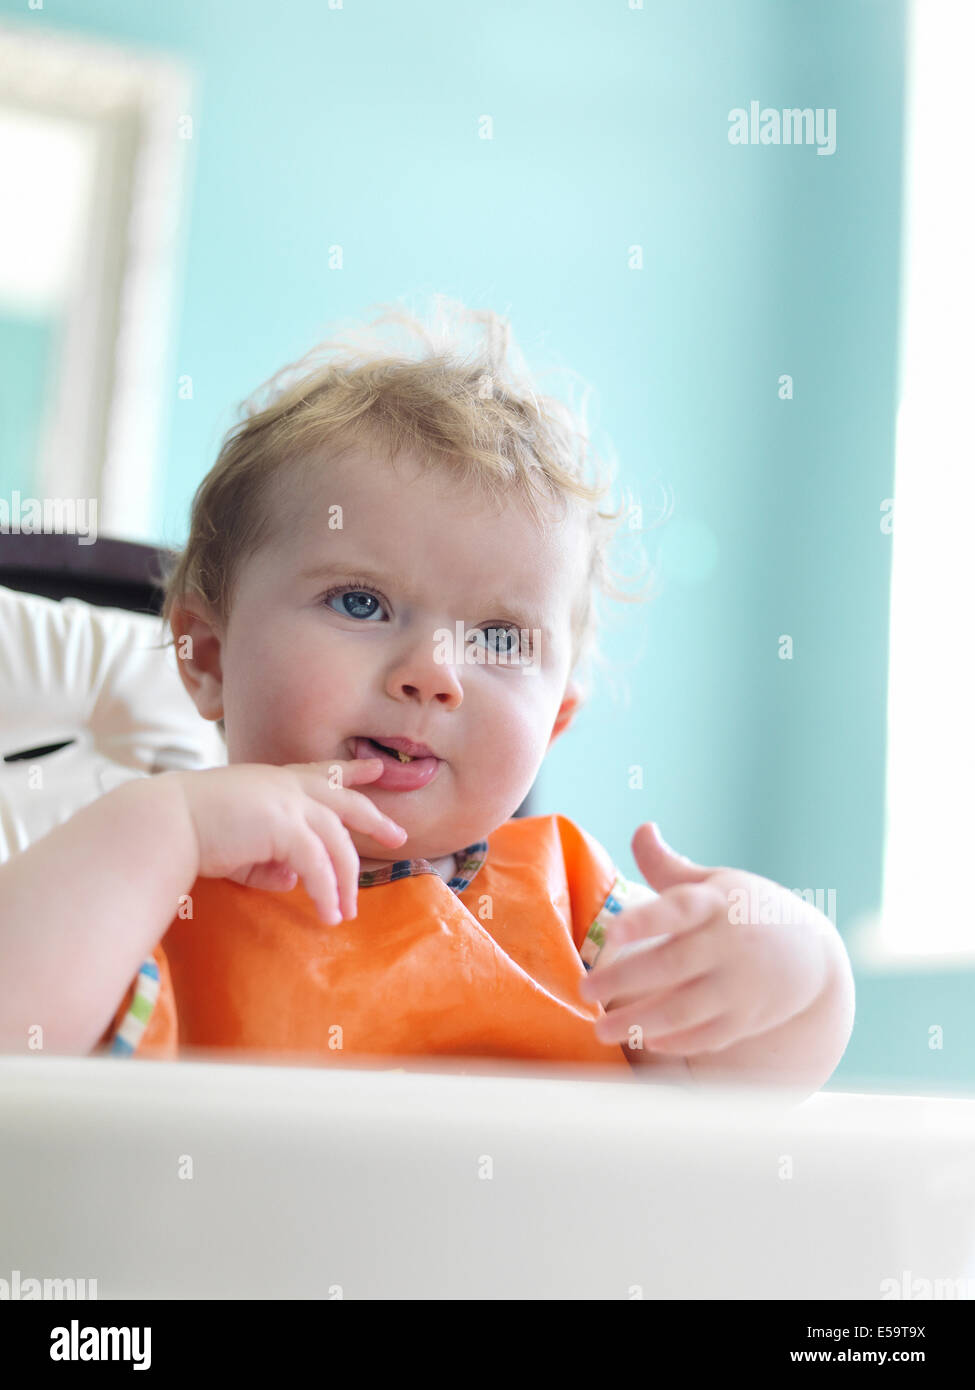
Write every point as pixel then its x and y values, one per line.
pixel 710 975
pixel 266 826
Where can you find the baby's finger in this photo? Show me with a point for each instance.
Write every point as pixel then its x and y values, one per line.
pixel 350 771
pixel 309 857
pixel 357 811
pixel 713 1036
pixel 345 861
pixel 695 1004
pixel 679 909
pixel 655 966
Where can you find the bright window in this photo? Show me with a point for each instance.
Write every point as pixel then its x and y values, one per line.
pixel 928 917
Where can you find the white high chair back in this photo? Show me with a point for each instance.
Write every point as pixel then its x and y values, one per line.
pixel 100 681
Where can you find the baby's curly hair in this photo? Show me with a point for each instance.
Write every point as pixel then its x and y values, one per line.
pixel 472 412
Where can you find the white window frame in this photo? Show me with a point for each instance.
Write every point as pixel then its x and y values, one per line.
pixel 99 438
pixel 927 918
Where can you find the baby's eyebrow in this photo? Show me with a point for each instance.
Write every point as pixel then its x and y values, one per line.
pixel 512 610
pixel 506 609
pixel 339 567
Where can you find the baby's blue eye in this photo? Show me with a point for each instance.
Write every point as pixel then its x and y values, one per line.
pixel 360 599
pixel 509 639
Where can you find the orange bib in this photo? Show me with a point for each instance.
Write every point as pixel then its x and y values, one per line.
pixel 487 965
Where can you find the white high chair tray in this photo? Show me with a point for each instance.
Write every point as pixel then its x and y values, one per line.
pixel 205 1179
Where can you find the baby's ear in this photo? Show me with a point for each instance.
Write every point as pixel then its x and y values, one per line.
pixel 572 701
pixel 197 643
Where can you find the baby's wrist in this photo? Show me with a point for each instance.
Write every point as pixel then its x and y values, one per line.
pixel 171 820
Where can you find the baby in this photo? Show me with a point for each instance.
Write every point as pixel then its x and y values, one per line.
pixel 385 600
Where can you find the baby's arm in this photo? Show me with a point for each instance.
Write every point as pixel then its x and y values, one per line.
pixel 81 909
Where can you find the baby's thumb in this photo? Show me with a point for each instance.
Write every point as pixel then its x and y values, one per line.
pixel 661 866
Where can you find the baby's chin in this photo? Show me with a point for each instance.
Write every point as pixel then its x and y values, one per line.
pixel 434 831
pixel 374 856
pixel 430 845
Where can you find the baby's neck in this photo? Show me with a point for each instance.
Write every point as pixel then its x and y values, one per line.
pixel 446 867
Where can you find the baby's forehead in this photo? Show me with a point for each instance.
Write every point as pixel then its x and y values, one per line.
pixel 431 521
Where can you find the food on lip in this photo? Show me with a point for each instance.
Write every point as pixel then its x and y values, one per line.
pixel 403 756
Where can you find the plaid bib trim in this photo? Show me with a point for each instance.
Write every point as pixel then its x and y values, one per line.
pixel 469 861
pixel 624 893
pixel 129 1033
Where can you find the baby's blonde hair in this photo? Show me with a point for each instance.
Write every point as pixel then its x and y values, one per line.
pixel 473 413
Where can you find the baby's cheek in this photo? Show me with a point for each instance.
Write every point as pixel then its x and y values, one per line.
pixel 499 767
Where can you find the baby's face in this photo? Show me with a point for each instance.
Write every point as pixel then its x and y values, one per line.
pixel 314 658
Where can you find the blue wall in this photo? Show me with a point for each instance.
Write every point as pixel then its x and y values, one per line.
pixel 358 126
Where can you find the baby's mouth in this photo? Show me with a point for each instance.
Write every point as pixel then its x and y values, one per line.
pixel 403 749
pixel 402 771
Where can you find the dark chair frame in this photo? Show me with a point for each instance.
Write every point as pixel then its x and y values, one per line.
pixel 110 573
